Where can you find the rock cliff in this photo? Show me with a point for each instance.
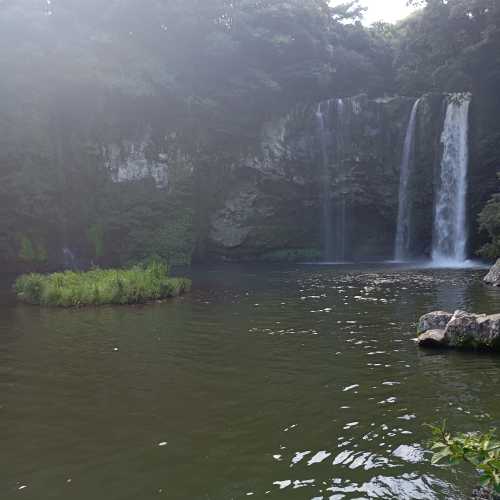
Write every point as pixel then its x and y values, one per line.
pixel 273 197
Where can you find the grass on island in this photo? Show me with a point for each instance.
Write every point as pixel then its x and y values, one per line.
pixel 101 286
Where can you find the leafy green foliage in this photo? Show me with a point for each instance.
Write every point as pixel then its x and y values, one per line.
pixel 96 237
pixel 172 242
pixel 27 251
pixel 481 450
pixel 32 252
pixel 147 221
pixel 489 220
pixel 452 46
pixel 99 286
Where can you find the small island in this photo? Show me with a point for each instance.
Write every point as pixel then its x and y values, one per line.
pixel 137 285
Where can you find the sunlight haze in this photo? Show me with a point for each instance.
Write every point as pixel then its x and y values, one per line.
pixel 249 249
pixel 383 10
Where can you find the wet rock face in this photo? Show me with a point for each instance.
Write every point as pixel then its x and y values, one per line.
pixel 231 225
pixel 135 159
pixel 355 158
pixel 269 196
pixel 461 330
pixel 286 176
pixel 493 277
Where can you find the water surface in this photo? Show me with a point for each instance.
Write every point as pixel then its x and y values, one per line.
pixel 297 382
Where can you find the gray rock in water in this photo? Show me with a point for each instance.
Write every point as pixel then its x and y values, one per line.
pixel 436 320
pixel 489 332
pixel 432 338
pixel 493 277
pixel 461 330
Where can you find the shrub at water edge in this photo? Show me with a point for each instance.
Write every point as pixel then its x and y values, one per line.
pixel 479 450
pixel 101 286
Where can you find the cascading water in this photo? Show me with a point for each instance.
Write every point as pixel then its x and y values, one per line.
pixel 333 211
pixel 342 227
pixel 450 232
pixel 325 183
pixel 403 235
pixel 342 133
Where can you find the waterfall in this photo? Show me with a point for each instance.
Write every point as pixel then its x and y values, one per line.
pixel 342 227
pixel 450 232
pixel 326 201
pixel 334 224
pixel 403 234
pixel 343 130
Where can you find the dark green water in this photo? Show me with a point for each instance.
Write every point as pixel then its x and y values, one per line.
pixel 297 382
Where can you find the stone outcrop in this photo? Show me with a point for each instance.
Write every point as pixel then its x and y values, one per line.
pixel 136 159
pixel 493 276
pixel 460 330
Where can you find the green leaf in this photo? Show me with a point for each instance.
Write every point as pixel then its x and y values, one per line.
pixel 446 452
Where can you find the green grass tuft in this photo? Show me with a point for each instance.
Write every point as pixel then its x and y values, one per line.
pixel 101 286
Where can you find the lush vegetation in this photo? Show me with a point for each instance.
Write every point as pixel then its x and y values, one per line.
pixel 479 450
pixel 188 84
pixel 489 220
pixel 489 223
pixel 98 286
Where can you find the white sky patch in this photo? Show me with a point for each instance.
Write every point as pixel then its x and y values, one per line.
pixel 383 10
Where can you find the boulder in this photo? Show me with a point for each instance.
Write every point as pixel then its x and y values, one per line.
pixel 432 338
pixel 461 330
pixel 493 276
pixel 489 332
pixel 436 320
